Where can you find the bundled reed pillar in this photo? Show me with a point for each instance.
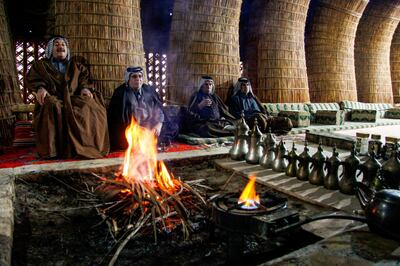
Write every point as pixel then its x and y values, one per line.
pixel 9 89
pixel 330 37
pixel 395 65
pixel 204 40
pixel 282 72
pixel 252 38
pixel 107 33
pixel 372 51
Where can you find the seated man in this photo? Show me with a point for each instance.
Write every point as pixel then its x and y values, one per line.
pixel 242 99
pixel 70 117
pixel 134 98
pixel 207 115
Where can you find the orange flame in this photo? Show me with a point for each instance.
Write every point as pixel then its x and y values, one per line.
pixel 140 163
pixel 249 198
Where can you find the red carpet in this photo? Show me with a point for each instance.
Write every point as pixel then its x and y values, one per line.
pixel 18 156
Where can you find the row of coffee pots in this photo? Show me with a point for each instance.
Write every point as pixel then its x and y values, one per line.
pixel 317 169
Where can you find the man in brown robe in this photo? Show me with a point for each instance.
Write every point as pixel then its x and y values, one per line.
pixel 70 118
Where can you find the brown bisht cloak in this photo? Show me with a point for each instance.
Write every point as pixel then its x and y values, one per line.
pixel 67 124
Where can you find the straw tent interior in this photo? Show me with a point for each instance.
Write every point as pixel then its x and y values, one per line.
pixel 292 51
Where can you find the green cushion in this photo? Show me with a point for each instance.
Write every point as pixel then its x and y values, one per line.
pixel 381 108
pixel 315 107
pixel 393 113
pixel 198 141
pixel 275 108
pixel 298 118
pixel 362 115
pixel 329 117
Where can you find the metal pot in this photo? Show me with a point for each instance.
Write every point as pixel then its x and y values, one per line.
pixel 382 209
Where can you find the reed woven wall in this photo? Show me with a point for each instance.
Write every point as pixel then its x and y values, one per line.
pixel 330 40
pixel 204 40
pixel 372 50
pixel 282 73
pixel 107 33
pixel 395 65
pixel 9 89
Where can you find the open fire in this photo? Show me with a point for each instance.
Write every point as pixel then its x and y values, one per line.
pixel 144 195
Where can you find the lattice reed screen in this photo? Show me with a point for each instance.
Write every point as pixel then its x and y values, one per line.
pixel 26 53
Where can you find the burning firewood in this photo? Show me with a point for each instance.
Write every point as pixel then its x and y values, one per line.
pixel 145 196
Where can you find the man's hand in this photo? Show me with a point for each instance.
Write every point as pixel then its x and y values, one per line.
pixel 41 95
pixel 157 129
pixel 204 103
pixel 86 92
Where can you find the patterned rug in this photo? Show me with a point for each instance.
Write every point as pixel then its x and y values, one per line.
pixel 11 157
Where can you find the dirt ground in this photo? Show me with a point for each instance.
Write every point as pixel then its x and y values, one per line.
pixel 56 223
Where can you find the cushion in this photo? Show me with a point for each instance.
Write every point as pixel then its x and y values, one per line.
pixel 298 118
pixel 199 141
pixel 274 108
pixel 24 134
pixel 362 115
pixel 329 117
pixel 381 108
pixel 314 107
pixel 393 113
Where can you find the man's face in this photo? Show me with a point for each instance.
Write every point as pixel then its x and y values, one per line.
pixel 245 87
pixel 135 80
pixel 60 49
pixel 207 87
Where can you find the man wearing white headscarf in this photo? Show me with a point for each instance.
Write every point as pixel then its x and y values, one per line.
pixel 70 117
pixel 135 99
pixel 242 99
pixel 207 115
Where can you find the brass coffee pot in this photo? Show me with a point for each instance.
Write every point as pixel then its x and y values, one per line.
pixel 268 158
pixel 317 173
pixel 331 180
pixel 241 145
pixel 256 148
pixel 304 164
pixel 390 172
pixel 348 176
pixel 280 164
pixel 370 169
pixel 291 169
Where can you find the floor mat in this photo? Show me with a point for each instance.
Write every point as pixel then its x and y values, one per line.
pixel 18 156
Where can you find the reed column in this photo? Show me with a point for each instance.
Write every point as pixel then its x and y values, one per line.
pixel 330 37
pixel 204 40
pixel 395 65
pixel 107 33
pixel 282 72
pixel 9 89
pixel 252 37
pixel 372 51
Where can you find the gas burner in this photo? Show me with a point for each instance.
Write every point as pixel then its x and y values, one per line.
pixel 269 202
pixel 271 214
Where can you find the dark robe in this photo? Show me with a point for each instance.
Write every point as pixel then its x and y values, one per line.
pixel 210 121
pixel 252 108
pixel 67 124
pixel 145 106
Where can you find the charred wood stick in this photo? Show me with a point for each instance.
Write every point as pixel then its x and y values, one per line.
pixel 228 180
pixel 126 240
